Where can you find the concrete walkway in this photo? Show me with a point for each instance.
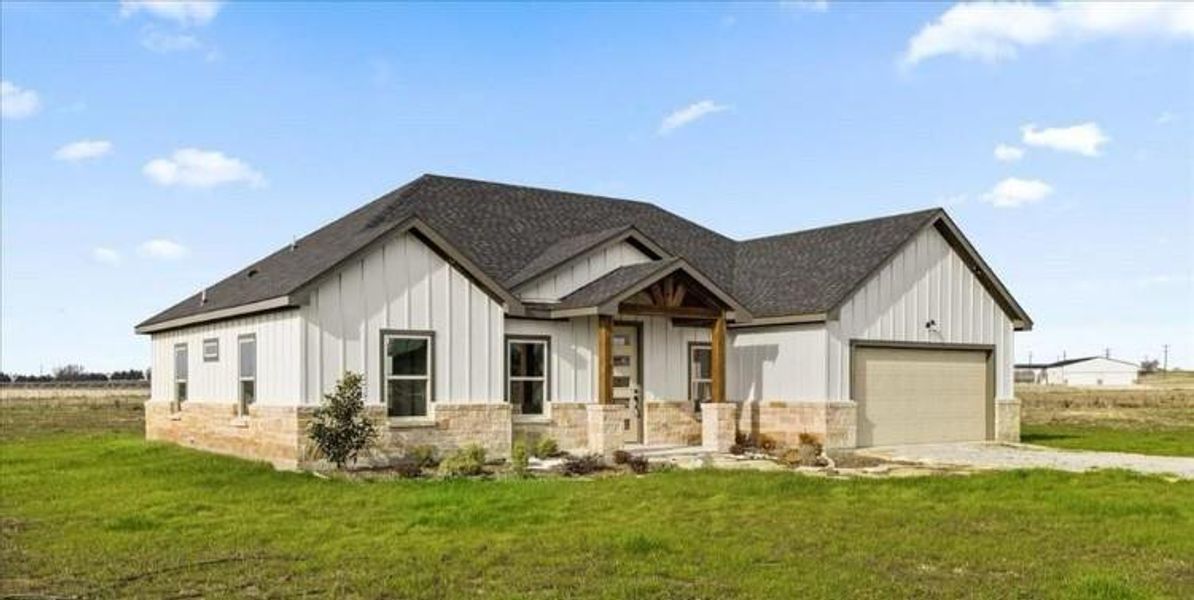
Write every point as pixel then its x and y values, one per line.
pixel 994 455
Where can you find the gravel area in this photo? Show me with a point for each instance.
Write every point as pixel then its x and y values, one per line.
pixel 993 455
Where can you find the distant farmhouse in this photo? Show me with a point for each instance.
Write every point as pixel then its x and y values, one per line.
pixel 1089 370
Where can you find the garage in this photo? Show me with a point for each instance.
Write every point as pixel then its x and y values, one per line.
pixel 916 395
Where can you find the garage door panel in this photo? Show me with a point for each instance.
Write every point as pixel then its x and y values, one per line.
pixel 909 396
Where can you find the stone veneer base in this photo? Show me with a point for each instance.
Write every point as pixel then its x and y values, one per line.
pixel 1007 419
pixel 833 423
pixel 567 424
pixel 671 423
pixel 277 434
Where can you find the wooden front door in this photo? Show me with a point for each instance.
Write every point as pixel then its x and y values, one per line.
pixel 627 387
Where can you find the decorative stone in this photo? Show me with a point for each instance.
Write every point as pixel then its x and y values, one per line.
pixel 719 425
pixel 606 428
pixel 1007 419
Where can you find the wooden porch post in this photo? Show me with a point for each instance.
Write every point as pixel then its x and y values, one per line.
pixel 718 358
pixel 605 359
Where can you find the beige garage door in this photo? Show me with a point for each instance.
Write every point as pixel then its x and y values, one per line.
pixel 916 396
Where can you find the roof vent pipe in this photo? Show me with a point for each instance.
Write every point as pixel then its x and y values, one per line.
pixel 202 296
pixel 293 242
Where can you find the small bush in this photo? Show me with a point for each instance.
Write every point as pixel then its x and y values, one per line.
pixel 737 449
pixel 582 465
pixel 546 447
pixel 520 458
pixel 621 457
pixel 465 462
pixel 408 469
pixel 339 428
pixel 767 443
pixel 639 464
pixel 424 456
pixel 790 457
pixel 741 438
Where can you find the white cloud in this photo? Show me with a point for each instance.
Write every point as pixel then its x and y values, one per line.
pixel 683 116
pixel 83 149
pixel 1084 139
pixel 191 167
pixel 1165 117
pixel 17 102
pixel 184 12
pixel 1013 192
pixel 993 31
pixel 163 249
pixel 164 43
pixel 1006 153
pixel 106 256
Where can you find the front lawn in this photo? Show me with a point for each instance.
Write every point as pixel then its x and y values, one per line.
pixel 102 513
pixel 1171 441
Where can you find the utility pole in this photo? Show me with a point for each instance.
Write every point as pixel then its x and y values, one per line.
pixel 1165 361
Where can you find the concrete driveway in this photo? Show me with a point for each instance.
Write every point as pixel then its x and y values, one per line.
pixel 996 455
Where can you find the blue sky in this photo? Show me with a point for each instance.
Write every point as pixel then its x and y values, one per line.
pixel 150 150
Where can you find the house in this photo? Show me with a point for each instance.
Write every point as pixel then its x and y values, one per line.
pixel 480 312
pixel 1085 371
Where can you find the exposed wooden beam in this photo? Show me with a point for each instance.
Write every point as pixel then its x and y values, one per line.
pixel 679 311
pixel 718 358
pixel 605 359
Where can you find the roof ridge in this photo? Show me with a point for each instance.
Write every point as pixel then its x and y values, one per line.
pixel 926 211
pixel 537 189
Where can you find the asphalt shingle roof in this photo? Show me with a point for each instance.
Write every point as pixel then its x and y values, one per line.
pixel 513 233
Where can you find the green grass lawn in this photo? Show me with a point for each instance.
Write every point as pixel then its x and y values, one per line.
pixel 88 508
pixel 1169 441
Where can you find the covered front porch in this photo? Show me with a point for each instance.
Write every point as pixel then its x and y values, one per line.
pixel 659 357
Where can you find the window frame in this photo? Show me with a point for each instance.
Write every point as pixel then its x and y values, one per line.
pixel 384 389
pixel 242 406
pixel 546 377
pixel 213 357
pixel 692 380
pixel 185 379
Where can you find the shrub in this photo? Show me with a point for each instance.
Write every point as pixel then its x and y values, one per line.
pixel 546 447
pixel 520 458
pixel 621 457
pixel 339 428
pixel 737 449
pixel 582 465
pixel 408 469
pixel 424 456
pixel 767 443
pixel 639 464
pixel 465 462
pixel 741 439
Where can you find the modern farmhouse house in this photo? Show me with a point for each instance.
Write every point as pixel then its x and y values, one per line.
pixel 480 312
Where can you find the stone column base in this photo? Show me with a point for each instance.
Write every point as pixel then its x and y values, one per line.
pixel 841 424
pixel 719 426
pixel 606 428
pixel 1007 419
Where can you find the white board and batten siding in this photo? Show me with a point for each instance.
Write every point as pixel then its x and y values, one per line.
pixel 782 363
pixel 926 281
pixel 403 284
pixel 573 275
pixel 279 359
pixel 573 369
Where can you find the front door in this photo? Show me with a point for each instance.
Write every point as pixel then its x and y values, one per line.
pixel 627 389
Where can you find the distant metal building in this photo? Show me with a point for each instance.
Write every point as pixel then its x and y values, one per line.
pixel 1086 371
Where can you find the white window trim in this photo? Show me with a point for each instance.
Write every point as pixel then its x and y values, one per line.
pixel 241 340
pixel 429 336
pixel 545 379
pixel 186 360
pixel 693 380
pixel 215 356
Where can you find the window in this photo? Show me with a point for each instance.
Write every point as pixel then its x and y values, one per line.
pixel 700 373
pixel 406 371
pixel 526 374
pixel 180 373
pixel 211 350
pixel 247 370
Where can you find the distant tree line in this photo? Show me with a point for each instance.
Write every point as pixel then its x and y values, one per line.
pixel 76 373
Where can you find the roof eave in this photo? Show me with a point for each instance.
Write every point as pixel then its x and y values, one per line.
pixel 260 306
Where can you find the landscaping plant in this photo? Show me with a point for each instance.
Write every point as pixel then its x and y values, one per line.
pixel 465 462
pixel 546 447
pixel 339 428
